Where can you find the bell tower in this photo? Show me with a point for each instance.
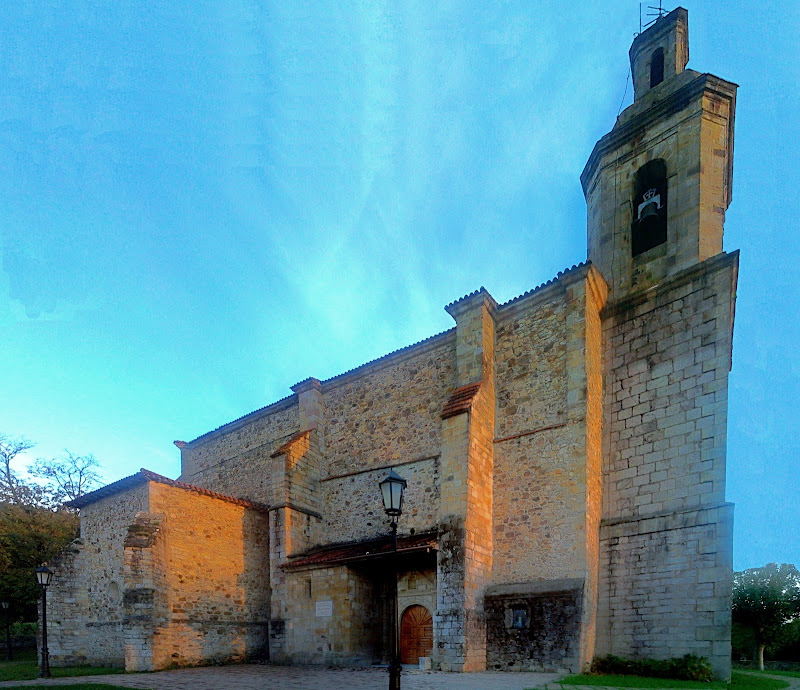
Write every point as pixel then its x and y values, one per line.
pixel 658 185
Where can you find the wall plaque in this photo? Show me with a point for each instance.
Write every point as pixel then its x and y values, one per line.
pixel 324 609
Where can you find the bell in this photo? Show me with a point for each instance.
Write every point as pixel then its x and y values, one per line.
pixel 649 210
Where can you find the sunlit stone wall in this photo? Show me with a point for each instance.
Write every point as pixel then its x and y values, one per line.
pixel 215 578
pixel 164 577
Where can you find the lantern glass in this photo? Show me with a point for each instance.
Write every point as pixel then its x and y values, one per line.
pixel 392 488
pixel 43 576
pixel 4 604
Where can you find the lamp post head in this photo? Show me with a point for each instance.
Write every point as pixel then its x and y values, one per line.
pixel 392 489
pixel 44 576
pixel 4 604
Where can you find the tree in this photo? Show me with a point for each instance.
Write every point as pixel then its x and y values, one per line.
pixel 34 526
pixel 70 476
pixel 29 536
pixel 12 488
pixel 766 600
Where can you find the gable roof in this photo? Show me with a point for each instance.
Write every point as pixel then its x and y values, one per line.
pixel 144 476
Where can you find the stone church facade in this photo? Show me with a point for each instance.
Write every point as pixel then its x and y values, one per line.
pixel 564 452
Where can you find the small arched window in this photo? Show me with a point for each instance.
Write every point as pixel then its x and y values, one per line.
pixel 657 67
pixel 649 227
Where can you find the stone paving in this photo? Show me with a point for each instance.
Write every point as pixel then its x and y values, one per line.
pixel 259 677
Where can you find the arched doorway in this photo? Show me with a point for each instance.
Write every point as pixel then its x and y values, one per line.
pixel 416 634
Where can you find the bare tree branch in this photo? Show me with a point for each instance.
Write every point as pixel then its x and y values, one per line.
pixel 71 476
pixel 13 489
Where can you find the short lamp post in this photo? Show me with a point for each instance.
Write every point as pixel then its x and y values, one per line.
pixel 44 576
pixel 392 489
pixel 9 650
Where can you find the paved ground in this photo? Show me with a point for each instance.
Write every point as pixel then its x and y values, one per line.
pixel 253 677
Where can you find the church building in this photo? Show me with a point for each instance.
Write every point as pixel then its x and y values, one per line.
pixel 564 454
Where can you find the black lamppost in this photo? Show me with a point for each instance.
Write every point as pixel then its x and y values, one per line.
pixel 9 651
pixel 44 576
pixel 392 489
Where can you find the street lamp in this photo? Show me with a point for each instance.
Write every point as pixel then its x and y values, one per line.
pixel 44 577
pixel 392 489
pixel 9 651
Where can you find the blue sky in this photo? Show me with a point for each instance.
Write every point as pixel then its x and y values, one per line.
pixel 203 203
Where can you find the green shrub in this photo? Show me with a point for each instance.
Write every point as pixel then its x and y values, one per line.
pixel 688 667
pixel 23 631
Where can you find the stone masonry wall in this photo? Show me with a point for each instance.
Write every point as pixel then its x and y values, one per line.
pixel 668 358
pixel 85 601
pixel 464 564
pixel 530 366
pixel 334 616
pixel 392 415
pixel 145 600
pixel 216 577
pixel 665 585
pixel 532 478
pixel 354 509
pixel 236 462
pixel 548 636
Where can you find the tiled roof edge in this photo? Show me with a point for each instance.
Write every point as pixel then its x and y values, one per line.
pixel 379 360
pixel 281 404
pixel 460 400
pixel 559 276
pixel 108 490
pixel 160 479
pixel 143 476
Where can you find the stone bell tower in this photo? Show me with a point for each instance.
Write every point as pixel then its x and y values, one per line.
pixel 657 188
pixel 658 185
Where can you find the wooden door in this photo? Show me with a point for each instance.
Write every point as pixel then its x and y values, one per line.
pixel 416 634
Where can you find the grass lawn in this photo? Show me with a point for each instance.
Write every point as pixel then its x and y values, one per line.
pixel 792 674
pixel 24 667
pixel 739 681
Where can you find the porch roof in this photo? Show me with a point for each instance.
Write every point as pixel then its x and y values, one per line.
pixel 373 549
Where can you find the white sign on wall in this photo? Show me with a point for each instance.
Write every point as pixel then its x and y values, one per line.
pixel 324 609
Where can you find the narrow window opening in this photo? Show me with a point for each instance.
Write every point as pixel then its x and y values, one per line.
pixel 657 67
pixel 649 227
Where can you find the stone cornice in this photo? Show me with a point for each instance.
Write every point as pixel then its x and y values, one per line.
pixel 630 126
pixel 471 301
pixel 309 384
pixel 715 263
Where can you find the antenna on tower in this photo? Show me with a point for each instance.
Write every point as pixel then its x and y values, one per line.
pixel 656 13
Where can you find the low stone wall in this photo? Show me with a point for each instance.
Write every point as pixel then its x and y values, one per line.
pixel 534 626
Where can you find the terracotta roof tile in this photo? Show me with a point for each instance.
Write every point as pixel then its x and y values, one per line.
pixel 365 550
pixel 460 400
pixel 142 477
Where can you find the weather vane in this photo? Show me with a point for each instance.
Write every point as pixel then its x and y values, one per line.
pixel 656 13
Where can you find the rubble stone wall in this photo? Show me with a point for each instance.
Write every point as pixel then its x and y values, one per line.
pixel 236 462
pixel 85 603
pixel 391 413
pixel 532 469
